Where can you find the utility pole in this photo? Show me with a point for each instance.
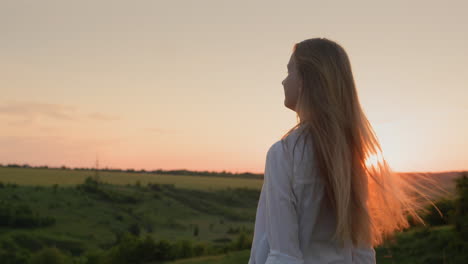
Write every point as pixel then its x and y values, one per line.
pixel 96 171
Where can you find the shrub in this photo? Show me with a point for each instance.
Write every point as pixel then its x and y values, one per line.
pixel 433 217
pixel 14 256
pixel 90 185
pixel 461 207
pixel 27 241
pixel 138 184
pixel 184 249
pixel 232 230
pixel 243 241
pixel 22 216
pixel 94 187
pixel 134 229
pixel 163 250
pixel 55 187
pixel 154 186
pixel 50 255
pixel 200 249
pixel 94 257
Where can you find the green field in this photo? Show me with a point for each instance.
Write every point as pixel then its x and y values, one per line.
pixel 48 177
pixel 230 258
pixel 92 216
pixel 170 213
pixel 419 245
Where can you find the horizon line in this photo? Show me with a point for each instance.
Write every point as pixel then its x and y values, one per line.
pixel 25 165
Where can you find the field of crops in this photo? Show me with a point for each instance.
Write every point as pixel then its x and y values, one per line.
pixel 48 177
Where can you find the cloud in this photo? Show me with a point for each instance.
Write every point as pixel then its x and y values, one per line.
pixel 33 110
pixel 103 117
pixel 27 112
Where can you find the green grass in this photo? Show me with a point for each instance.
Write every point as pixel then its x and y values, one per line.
pixel 417 245
pixel 91 220
pixel 230 258
pixel 423 245
pixel 47 177
pixel 87 220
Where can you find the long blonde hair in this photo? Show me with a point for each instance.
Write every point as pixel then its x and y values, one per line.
pixel 370 200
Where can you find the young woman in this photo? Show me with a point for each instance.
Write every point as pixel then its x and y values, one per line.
pixel 328 194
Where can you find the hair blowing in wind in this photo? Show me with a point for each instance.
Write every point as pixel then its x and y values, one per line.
pixel 371 201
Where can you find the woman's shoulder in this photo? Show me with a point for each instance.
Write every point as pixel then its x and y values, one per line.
pixel 295 145
pixel 284 145
pixel 298 141
pixel 297 149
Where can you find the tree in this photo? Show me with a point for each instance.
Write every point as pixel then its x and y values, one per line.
pixel 134 229
pixel 49 255
pixel 461 207
pixel 55 187
pixel 446 207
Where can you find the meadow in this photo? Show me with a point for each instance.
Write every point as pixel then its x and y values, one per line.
pixel 121 217
pixel 67 177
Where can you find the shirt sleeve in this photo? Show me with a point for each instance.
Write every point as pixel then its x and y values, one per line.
pixel 281 214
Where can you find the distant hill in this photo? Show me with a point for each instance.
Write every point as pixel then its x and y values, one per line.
pixel 442 180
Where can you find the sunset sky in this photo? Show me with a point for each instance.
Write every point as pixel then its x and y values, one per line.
pixel 197 84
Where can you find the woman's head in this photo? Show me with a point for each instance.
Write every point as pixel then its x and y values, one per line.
pixel 319 79
pixel 370 202
pixel 292 84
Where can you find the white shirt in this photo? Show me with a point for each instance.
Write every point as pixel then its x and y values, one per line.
pixel 294 221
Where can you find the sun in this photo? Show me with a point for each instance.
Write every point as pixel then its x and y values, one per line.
pixel 374 160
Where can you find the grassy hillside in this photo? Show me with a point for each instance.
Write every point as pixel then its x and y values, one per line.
pixel 230 258
pixel 418 245
pixel 91 216
pixel 81 216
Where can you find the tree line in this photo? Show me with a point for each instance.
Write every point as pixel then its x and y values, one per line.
pixel 158 171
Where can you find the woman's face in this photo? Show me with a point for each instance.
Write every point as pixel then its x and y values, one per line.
pixel 292 85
